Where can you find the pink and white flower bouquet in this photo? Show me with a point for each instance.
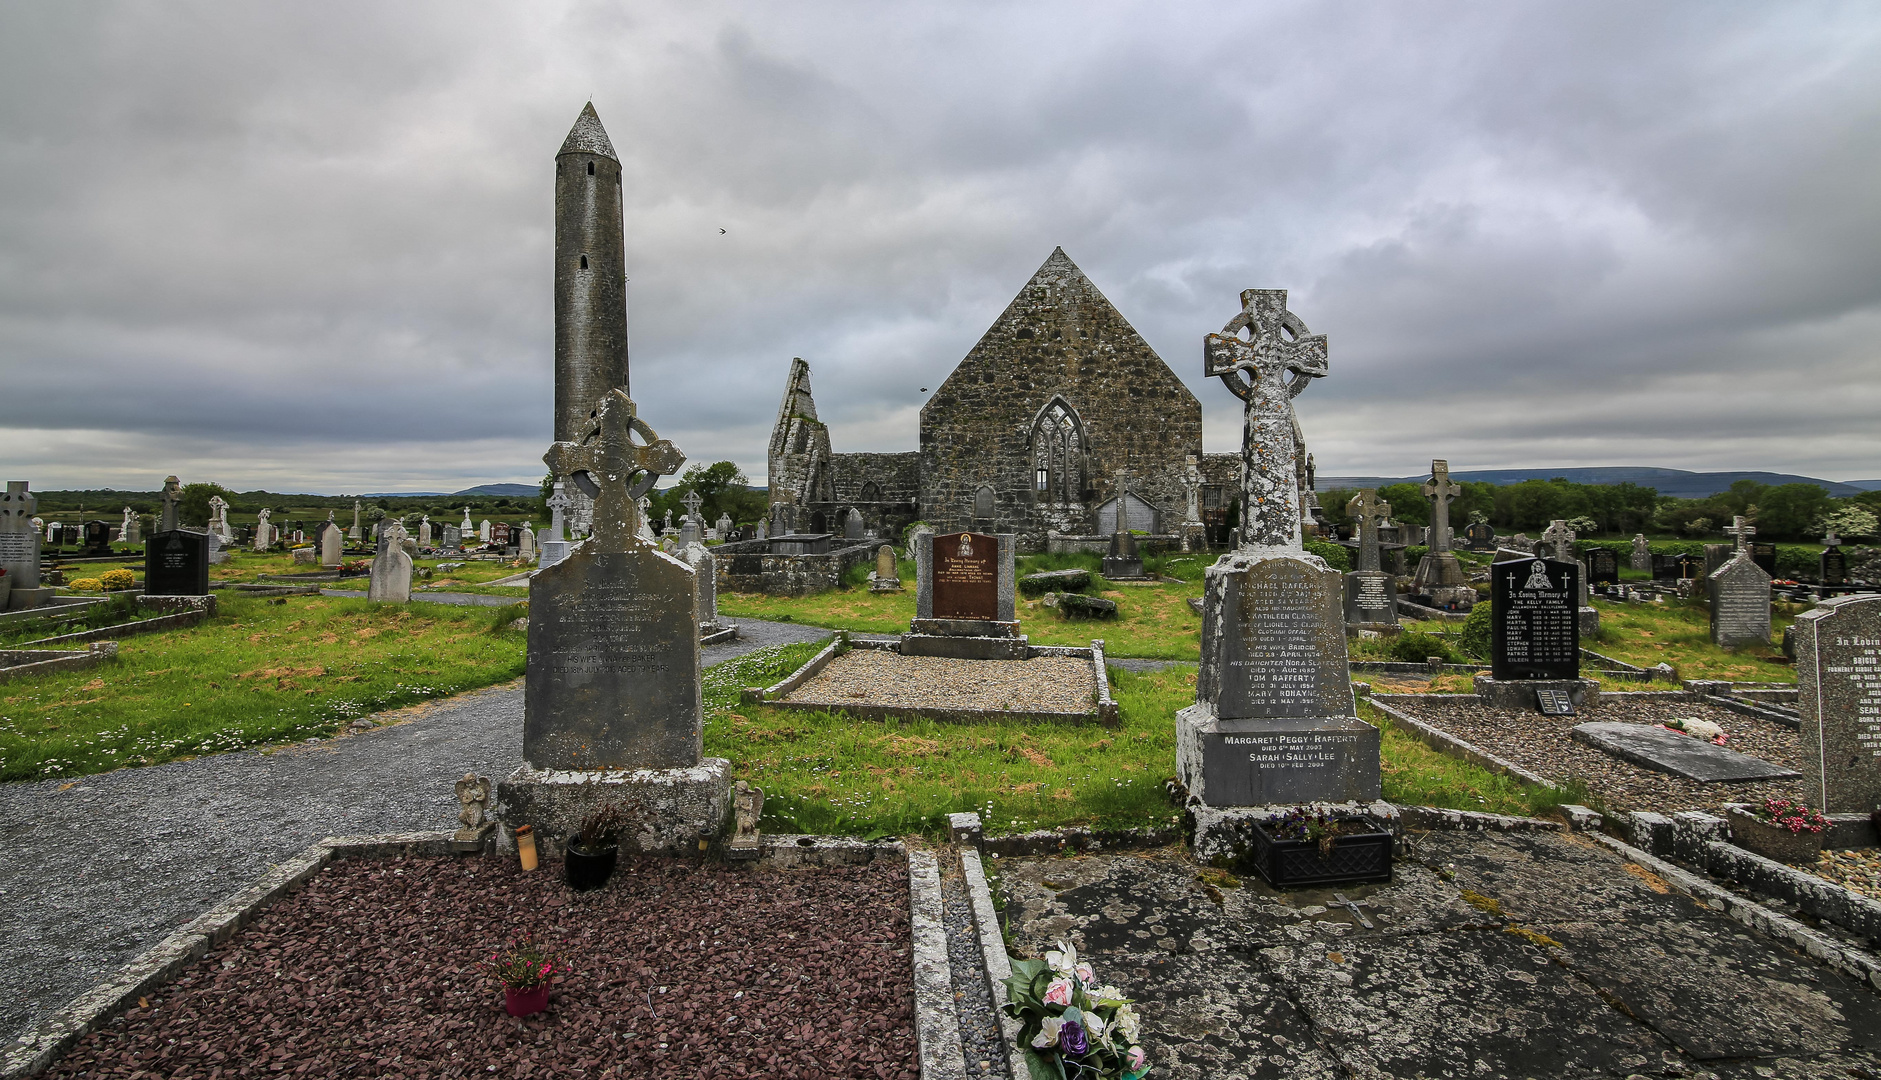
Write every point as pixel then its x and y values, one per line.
pixel 1071 1028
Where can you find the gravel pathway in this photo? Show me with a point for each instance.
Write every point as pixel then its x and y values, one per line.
pixel 980 1036
pixel 106 865
pixel 1542 745
pixel 1856 869
pixel 675 970
pixel 1060 684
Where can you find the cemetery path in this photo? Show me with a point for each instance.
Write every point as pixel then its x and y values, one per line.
pixel 111 863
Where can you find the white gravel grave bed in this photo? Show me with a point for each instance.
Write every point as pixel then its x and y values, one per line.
pixel 1543 745
pixel 878 678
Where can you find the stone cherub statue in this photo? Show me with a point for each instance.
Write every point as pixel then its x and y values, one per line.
pixel 748 806
pixel 473 815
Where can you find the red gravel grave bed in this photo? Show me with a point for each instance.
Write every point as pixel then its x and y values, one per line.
pixel 679 970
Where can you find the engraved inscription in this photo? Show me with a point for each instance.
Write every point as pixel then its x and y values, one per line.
pixel 966 576
pixel 15 547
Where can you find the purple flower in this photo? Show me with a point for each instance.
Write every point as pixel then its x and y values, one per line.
pixel 1071 1038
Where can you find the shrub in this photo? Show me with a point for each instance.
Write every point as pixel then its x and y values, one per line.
pixel 1475 639
pixel 1414 647
pixel 117 579
pixel 1336 555
pixel 87 584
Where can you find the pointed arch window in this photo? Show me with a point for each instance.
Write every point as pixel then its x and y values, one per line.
pixel 1058 454
pixel 871 492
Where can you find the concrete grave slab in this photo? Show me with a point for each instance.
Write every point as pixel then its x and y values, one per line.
pixel 1654 747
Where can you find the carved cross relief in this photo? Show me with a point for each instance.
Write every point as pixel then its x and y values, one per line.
pixel 1370 511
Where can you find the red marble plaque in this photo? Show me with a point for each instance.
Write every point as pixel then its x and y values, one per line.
pixel 966 576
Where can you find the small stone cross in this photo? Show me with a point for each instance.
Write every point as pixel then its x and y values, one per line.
pixel 1440 490
pixel 692 503
pixel 1831 540
pixel 607 460
pixel 1267 371
pixel 1123 476
pixel 1370 511
pixel 1192 482
pixel 1741 528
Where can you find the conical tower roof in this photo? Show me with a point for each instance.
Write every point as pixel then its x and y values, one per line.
pixel 588 136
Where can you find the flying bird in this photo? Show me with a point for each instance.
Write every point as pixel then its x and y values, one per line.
pixel 721 232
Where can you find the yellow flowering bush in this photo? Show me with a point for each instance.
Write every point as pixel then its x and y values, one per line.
pixel 114 580
pixel 87 584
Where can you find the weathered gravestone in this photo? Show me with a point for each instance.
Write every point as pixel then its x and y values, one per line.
pixel 1274 720
pixel 424 531
pixel 1440 575
pixel 1123 562
pixel 353 533
pixel 127 529
pixel 168 519
pixel 964 598
pixel 1664 750
pixel 1603 566
pixel 1642 553
pixel 484 530
pixel 1838 668
pixel 526 542
pixel 612 692
pixel 176 563
pixel 886 576
pixel 705 570
pixel 19 549
pixel 391 566
pixel 332 544
pixel 265 532
pixel 1534 635
pixel 1739 592
pixel 1371 595
pixel 852 524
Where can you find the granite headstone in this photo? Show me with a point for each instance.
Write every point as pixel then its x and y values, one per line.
pixel 1838 668
pixel 176 563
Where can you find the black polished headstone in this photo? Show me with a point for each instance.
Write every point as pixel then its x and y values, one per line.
pixel 1481 536
pixel 1603 566
pixel 1371 596
pixel 1690 566
pixel 1833 567
pixel 1534 626
pixel 1764 555
pixel 97 537
pixel 1665 567
pixel 176 563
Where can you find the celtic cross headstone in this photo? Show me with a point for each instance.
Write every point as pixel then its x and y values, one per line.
pixel 1441 491
pixel 1369 511
pixel 1267 370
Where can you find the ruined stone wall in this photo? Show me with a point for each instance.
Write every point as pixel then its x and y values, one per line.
pixel 1059 337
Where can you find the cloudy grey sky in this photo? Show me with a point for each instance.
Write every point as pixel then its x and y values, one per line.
pixel 307 247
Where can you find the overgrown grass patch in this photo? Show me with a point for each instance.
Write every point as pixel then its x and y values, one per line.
pixel 258 673
pixel 1678 632
pixel 1416 774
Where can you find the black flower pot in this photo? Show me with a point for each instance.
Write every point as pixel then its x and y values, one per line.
pixel 588 870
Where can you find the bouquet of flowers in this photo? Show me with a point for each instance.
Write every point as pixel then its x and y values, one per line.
pixel 1696 728
pixel 1071 1029
pixel 1792 815
pixel 523 965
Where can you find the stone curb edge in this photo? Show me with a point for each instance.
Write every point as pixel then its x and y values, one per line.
pixel 936 1021
pixel 35 1051
pixel 1863 966
pixel 996 963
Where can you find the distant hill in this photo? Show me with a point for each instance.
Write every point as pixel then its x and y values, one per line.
pixel 511 490
pixel 403 495
pixel 1677 483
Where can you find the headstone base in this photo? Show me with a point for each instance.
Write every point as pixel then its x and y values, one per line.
pixel 1440 569
pixel 1268 761
pixel 1124 569
pixel 882 584
pixel 1520 693
pixel 1224 837
pixel 961 647
pixel 668 809
pixel 21 599
pixel 176 605
pixel 1590 621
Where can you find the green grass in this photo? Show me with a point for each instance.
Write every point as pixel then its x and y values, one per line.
pixel 1415 774
pixel 256 674
pixel 1678 632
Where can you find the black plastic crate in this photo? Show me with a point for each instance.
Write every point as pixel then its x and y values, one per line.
pixel 1355 858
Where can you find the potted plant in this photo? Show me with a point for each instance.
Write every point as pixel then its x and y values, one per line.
pixel 1786 830
pixel 525 970
pixel 1069 1027
pixel 1310 847
pixel 589 856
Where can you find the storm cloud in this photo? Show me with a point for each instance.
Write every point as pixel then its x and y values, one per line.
pixel 307 247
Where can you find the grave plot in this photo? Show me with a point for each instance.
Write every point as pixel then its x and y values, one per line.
pixel 674 968
pixel 1612 764
pixel 1492 954
pixel 878 682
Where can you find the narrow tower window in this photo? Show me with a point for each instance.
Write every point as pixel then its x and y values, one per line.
pixel 590 168
pixel 584 262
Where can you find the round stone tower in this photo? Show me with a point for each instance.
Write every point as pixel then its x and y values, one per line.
pixel 590 275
